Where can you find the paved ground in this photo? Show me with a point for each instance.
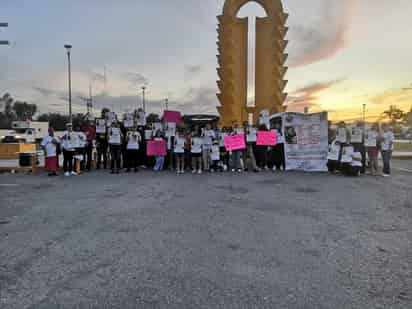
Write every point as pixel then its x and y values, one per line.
pixel 213 241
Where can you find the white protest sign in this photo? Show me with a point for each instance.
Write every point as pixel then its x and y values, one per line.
pixel 170 129
pixel 115 136
pixel 371 139
pixel 356 135
pixel 342 136
pixel 148 134
pixel 251 135
pixel 128 122
pixel 141 119
pixel 100 126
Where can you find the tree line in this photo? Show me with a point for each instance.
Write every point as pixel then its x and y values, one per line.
pixel 15 110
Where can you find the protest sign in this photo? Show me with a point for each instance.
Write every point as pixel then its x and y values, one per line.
pixel 100 126
pixel 342 135
pixel 115 136
pixel 156 148
pixel 235 142
pixel 110 118
pixel 128 121
pixel 148 134
pixel 171 116
pixel 266 138
pixel 141 119
pixel 170 129
pixel 251 135
pixel 306 141
pixel 356 135
pixel 371 139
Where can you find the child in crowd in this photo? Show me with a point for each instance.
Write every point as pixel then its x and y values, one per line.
pixel 179 151
pixel 160 159
pixel 50 145
pixel 196 152
pixel 133 140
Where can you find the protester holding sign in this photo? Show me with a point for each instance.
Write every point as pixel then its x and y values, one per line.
pixel 115 143
pixel 262 151
pixel 80 150
pixel 358 141
pixel 50 144
pixel 387 149
pixel 90 132
pixel 207 135
pixel 101 146
pixel 69 139
pixel 179 151
pixel 251 138
pixel 236 148
pixel 196 152
pixel 160 157
pixel 133 140
pixel 371 143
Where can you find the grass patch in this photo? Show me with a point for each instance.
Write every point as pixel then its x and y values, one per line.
pixel 403 147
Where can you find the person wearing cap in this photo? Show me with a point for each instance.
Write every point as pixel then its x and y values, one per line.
pixel 69 139
pixel 50 144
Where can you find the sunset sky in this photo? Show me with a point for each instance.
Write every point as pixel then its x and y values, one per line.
pixel 342 53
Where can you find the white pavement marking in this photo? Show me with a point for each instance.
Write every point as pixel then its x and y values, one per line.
pixel 403 170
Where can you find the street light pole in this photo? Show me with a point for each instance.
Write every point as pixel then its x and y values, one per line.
pixel 144 99
pixel 3 42
pixel 167 104
pixel 68 49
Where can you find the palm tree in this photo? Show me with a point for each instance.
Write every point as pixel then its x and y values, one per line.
pixel 394 114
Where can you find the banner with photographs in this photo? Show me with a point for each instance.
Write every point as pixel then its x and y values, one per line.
pixel 306 141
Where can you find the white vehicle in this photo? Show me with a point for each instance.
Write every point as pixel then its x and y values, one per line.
pixel 27 131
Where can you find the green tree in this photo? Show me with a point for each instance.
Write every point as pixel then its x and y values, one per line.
pixel 23 110
pixel 407 118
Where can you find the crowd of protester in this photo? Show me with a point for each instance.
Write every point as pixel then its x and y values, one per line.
pixel 200 149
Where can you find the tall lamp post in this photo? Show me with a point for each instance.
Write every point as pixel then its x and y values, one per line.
pixel 3 42
pixel 68 49
pixel 167 104
pixel 144 99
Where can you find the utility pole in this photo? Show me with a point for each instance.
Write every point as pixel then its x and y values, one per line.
pixel 4 42
pixel 68 49
pixel 143 98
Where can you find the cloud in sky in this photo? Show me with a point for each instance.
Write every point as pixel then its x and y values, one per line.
pixel 320 40
pixel 308 96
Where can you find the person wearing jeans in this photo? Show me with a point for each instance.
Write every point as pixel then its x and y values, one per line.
pixel 387 139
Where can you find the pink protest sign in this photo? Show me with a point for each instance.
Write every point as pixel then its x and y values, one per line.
pixel 266 138
pixel 156 148
pixel 171 117
pixel 235 142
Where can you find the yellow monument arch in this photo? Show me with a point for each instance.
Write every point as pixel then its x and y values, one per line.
pixel 233 61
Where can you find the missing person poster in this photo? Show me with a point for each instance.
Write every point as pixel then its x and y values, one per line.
pixel 306 141
pixel 128 121
pixel 100 126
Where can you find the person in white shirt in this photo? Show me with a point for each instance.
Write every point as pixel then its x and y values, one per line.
pixel 69 139
pixel 50 145
pixel 352 165
pixel 215 157
pixel 196 152
pixel 115 143
pixel 207 135
pixel 371 143
pixel 81 147
pixel 179 151
pixel 387 138
pixel 133 140
pixel 236 155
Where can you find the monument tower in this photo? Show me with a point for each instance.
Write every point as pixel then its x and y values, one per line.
pixel 270 66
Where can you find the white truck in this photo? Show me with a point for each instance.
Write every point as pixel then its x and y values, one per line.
pixel 27 131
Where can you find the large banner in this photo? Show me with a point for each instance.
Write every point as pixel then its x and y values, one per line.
pixel 306 141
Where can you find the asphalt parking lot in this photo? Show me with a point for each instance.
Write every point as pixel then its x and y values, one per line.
pixel 148 240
